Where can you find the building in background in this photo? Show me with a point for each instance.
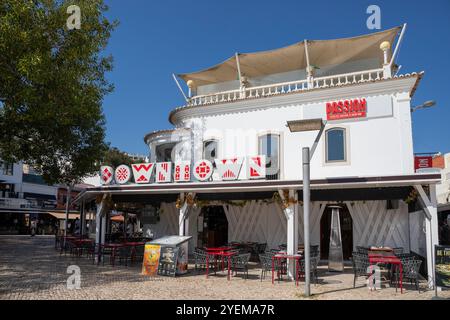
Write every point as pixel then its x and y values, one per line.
pixel 24 196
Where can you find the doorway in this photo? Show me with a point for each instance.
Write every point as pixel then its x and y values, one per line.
pixel 212 226
pixel 346 223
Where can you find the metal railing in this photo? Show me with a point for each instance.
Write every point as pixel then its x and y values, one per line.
pixel 287 87
pixel 14 203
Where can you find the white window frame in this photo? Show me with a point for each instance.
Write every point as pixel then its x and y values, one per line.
pixel 280 148
pixel 346 161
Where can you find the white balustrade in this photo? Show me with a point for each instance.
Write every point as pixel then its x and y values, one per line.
pixel 287 87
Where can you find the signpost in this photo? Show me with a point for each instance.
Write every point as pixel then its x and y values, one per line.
pixel 151 259
pixel 173 259
pixel 442 267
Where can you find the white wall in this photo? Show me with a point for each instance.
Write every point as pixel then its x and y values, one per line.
pixel 380 144
pixel 443 189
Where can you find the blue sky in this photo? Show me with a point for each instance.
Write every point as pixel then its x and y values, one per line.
pixel 158 38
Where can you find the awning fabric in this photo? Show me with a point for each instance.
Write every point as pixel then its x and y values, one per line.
pixel 62 216
pixel 293 57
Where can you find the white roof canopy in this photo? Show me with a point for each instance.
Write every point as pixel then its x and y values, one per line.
pixel 293 57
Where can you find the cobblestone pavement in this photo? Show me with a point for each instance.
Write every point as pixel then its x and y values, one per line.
pixel 31 268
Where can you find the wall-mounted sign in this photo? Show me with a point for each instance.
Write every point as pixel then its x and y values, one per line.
pixel 163 172
pixel 256 167
pixel 345 109
pixel 122 174
pixel 228 169
pixel 106 174
pixel 142 172
pixel 421 162
pixel 203 170
pixel 182 172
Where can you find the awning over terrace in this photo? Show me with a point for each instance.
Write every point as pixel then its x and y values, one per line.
pixel 293 57
pixel 333 189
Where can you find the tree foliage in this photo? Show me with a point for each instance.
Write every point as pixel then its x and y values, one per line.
pixel 114 158
pixel 52 84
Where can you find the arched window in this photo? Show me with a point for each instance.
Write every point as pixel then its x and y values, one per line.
pixel 164 152
pixel 335 145
pixel 210 150
pixel 269 145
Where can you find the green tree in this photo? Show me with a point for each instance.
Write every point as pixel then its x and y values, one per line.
pixel 114 158
pixel 52 84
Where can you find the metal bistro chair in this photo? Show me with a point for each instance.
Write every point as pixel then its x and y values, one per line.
pixel 240 263
pixel 138 254
pixel 88 248
pixel 410 271
pixel 362 250
pixel 266 263
pixel 313 271
pixel 124 253
pixel 199 260
pixel 360 265
pixel 398 251
pixel 105 251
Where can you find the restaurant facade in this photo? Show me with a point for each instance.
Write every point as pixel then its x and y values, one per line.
pixel 229 169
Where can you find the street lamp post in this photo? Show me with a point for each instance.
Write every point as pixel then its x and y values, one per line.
pixel 298 126
pixel 425 105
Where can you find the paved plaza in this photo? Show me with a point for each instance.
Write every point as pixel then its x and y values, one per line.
pixel 31 268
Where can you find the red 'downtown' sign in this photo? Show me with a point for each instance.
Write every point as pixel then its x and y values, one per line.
pixel 344 109
pixel 421 162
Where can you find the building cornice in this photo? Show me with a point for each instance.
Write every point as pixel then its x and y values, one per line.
pixel 403 83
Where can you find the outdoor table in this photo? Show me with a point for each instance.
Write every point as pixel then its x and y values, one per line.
pixel 282 255
pixel 388 258
pixel 223 252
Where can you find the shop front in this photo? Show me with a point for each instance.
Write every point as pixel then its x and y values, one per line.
pixel 230 169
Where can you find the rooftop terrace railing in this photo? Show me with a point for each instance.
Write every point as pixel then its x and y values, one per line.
pixel 287 87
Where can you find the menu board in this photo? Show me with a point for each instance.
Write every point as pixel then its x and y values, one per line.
pixel 151 259
pixel 168 261
pixel 442 267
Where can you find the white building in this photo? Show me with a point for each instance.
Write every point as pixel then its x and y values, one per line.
pixel 239 108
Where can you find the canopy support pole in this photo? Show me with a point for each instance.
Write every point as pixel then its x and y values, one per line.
pixel 309 75
pixel 183 217
pixel 397 45
pixel 431 227
pixel 291 213
pixel 179 87
pixel 238 65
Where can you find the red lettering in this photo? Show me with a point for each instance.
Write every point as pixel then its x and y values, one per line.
pixel 347 106
pixel 329 108
pixel 363 105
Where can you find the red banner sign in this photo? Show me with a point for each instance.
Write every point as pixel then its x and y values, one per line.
pixel 421 162
pixel 344 109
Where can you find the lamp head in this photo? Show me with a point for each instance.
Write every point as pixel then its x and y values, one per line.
pixel 385 45
pixel 190 84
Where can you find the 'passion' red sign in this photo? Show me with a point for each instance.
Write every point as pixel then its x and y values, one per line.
pixel 344 109
pixel 422 162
